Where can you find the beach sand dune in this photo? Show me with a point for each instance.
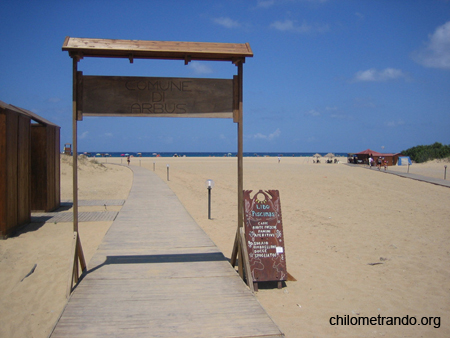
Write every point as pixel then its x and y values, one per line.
pixel 360 243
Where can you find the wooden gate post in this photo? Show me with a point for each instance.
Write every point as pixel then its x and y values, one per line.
pixel 237 247
pixel 76 246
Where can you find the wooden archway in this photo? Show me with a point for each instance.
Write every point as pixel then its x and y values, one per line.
pixel 90 97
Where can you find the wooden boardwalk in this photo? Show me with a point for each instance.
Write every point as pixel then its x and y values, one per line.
pixel 83 203
pixel 157 274
pixel 94 216
pixel 417 177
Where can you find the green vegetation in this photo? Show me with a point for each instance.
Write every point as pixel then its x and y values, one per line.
pixel 421 154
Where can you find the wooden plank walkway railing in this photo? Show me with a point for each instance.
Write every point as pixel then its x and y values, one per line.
pixel 157 274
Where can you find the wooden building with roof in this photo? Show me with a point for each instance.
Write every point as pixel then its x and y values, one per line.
pixel 363 157
pixel 29 166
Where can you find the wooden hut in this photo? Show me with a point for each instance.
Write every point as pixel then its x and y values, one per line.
pixel 363 157
pixel 29 166
pixel 45 163
pixel 15 156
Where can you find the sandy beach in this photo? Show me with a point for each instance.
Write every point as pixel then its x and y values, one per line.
pixel 361 243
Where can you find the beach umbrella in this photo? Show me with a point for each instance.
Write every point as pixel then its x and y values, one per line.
pixel 98 154
pixel 122 154
pixel 329 155
pixel 317 155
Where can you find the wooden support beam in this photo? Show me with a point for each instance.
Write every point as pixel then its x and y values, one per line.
pixel 80 255
pixel 234 252
pixel 77 255
pixel 238 118
pixel 240 149
pixel 246 261
pixel 75 146
pixel 72 264
pixel 79 97
pixel 236 97
pixel 240 165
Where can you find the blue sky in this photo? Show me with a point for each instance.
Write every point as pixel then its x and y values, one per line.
pixel 326 76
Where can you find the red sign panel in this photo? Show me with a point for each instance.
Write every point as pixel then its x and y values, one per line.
pixel 264 236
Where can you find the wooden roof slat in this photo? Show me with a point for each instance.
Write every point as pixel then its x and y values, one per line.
pixel 88 47
pixel 27 113
pixel 35 117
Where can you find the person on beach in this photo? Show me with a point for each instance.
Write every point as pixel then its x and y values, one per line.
pixel 385 165
pixel 370 162
pixel 128 160
pixel 379 163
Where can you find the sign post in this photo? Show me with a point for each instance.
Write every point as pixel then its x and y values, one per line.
pixel 264 237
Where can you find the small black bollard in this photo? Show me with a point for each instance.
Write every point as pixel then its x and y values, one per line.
pixel 209 202
pixel 209 185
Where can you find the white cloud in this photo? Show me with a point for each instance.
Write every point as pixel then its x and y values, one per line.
pixel 363 102
pixel 286 25
pixel 437 52
pixel 270 3
pixel 373 75
pixel 360 16
pixel 341 116
pixel 109 134
pixel 54 99
pixel 269 137
pixel 226 22
pixel 313 112
pixel 166 139
pixel 393 124
pixel 84 135
pixel 200 68
pixel 265 3
pixel 291 26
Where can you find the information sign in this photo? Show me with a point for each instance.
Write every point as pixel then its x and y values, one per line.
pixel 264 236
pixel 155 96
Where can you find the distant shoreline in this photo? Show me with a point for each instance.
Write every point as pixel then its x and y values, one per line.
pixel 205 154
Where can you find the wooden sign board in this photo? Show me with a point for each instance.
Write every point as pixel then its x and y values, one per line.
pixel 155 96
pixel 264 236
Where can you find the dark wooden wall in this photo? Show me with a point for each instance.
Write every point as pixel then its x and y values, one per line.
pixel 15 157
pixel 45 168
